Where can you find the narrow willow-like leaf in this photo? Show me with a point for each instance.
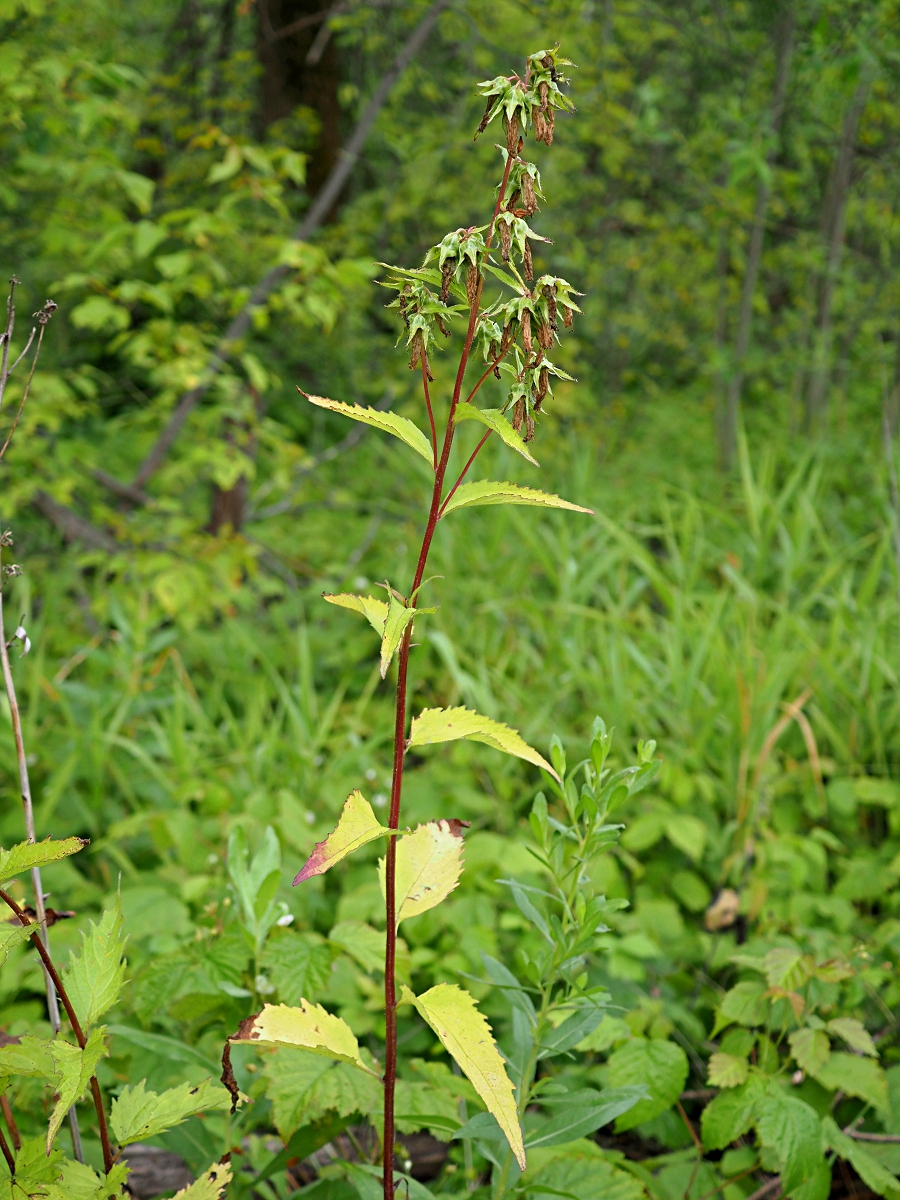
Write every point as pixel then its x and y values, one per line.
pixel 36 854
pixel 307 1025
pixel 434 725
pixel 429 864
pixel 357 826
pixel 389 422
pixel 466 1036
pixel 208 1186
pixel 398 617
pixel 483 491
pixel 375 611
pixel 495 420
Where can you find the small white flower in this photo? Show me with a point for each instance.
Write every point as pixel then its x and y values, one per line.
pixel 287 919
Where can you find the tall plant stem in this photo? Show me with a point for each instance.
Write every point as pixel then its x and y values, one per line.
pixel 390 866
pixel 73 1021
pixel 36 881
pixel 7 1154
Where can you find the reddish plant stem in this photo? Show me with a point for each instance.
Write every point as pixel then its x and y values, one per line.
pixel 430 410
pixel 7 1154
pixel 477 387
pixel 10 1122
pixel 73 1021
pixel 462 473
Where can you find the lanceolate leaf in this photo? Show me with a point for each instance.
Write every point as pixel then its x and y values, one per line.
pixel 398 617
pixel 357 826
pixel 435 725
pixel 466 1036
pixel 429 864
pixel 73 1069
pixel 96 973
pixel 375 611
pixel 582 1112
pixel 390 422
pixel 208 1186
pixel 36 854
pixel 484 491
pixel 307 1025
pixel 495 420
pixel 137 1114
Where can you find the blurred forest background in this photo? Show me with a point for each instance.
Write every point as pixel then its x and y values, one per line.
pixel 726 197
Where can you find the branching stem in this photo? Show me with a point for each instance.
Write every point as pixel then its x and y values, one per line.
pixel 430 410
pixel 462 473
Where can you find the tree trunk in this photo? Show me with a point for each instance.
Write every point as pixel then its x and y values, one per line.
pixel 833 226
pixel 728 434
pixel 299 67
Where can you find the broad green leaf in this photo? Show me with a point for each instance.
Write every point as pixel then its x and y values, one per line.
pixel 12 934
pixel 495 420
pixel 810 1048
pixel 727 1070
pixel 794 1130
pixel 661 1066
pixel 389 422
pixel 303 1087
pixel 138 1114
pixel 855 1034
pixel 688 834
pixel 435 725
pixel 580 1171
pixel 730 1114
pixel 873 1173
pixel 398 617
pixel 73 1069
pixel 357 826
pixel 484 491
pixel 466 1036
pixel 429 864
pixel 28 1056
pixel 78 1181
pixel 374 610
pixel 583 1112
pixel 96 974
pixel 308 1026
pixel 297 964
pixel 786 968
pixel 745 1004
pixel 208 1186
pixel 860 1077
pixel 26 855
pixel 361 942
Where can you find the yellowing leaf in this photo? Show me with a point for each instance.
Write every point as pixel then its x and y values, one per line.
pixel 208 1186
pixel 307 1025
pixel 398 617
pixel 137 1114
pixel 389 422
pixel 466 1036
pixel 495 420
pixel 429 863
pixel 434 725
pixel 484 491
pixel 375 611
pixel 36 854
pixel 357 826
pixel 727 1070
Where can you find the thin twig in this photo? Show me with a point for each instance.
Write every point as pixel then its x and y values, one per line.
pixel 766 1189
pixel 38 944
pixel 462 473
pixel 7 336
pixel 430 410
pixel 872 1137
pixel 37 355
pixel 25 351
pixel 690 1128
pixel 10 1120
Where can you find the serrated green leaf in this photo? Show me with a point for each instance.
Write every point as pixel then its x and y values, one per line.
pixel 484 491
pixel 860 1077
pixel 389 422
pixel 73 1068
pixel 28 1056
pixel 744 1004
pixel 579 1171
pixel 138 1114
pixel 584 1112
pixel 855 1034
pixel 361 942
pixel 496 421
pixel 727 1070
pixel 26 855
pixel 429 864
pixel 303 1087
pixel 661 1066
pixel 308 1026
pixel 810 1048
pixel 374 610
pixel 794 1130
pixel 466 1036
pixel 873 1173
pixel 434 725
pixel 785 968
pixel 357 826
pixel 297 964
pixel 12 934
pixel 96 974
pixel 730 1114
pixel 398 617
pixel 208 1186
pixel 78 1181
